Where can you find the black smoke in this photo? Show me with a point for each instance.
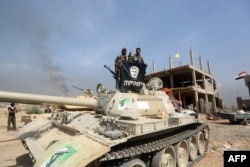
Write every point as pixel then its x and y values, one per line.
pixel 25 26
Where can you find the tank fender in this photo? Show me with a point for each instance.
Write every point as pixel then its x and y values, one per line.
pixel 73 151
pixel 31 128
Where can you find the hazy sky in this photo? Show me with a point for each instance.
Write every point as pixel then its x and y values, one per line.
pixel 47 46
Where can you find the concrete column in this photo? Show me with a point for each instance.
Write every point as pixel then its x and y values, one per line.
pixel 208 67
pixel 170 63
pixel 206 97
pixel 214 103
pixel 203 82
pixel 171 81
pixel 196 101
pixel 153 68
pixel 201 63
pixel 191 57
pixel 194 77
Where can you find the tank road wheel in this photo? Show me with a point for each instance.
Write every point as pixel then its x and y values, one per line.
pixel 182 153
pixel 193 148
pixel 133 163
pixel 201 143
pixel 164 158
pixel 246 122
pixel 206 133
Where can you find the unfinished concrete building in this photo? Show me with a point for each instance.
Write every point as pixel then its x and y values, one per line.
pixel 196 87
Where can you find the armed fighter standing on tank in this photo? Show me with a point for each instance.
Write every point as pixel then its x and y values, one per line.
pixel 118 64
pixel 135 126
pixel 137 56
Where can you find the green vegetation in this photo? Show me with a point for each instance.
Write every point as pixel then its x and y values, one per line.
pixel 33 110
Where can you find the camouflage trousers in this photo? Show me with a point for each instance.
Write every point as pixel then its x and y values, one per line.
pixel 11 120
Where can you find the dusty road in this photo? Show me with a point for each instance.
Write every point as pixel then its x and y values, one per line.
pixel 12 152
pixel 223 136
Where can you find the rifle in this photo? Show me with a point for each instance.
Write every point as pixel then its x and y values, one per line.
pixel 77 88
pixel 114 74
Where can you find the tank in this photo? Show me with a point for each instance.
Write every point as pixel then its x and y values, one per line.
pixel 136 125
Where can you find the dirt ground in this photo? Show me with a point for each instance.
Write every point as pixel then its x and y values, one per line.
pixel 223 136
pixel 12 152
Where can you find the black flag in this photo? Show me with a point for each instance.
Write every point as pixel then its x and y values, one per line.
pixel 132 75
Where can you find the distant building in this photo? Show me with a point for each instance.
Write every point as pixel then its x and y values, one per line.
pixel 196 87
pixel 241 101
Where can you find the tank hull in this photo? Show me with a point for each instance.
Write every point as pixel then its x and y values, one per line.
pixel 83 135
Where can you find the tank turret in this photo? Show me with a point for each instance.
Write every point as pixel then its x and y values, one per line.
pixel 149 101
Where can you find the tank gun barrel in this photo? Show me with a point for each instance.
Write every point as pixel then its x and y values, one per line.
pixel 40 99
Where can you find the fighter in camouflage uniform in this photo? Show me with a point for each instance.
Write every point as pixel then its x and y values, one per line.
pixel 118 64
pixel 137 56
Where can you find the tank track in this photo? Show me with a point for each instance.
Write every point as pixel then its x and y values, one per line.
pixel 138 148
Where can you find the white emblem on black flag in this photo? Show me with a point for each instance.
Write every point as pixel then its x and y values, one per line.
pixel 134 71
